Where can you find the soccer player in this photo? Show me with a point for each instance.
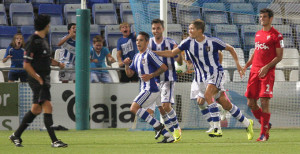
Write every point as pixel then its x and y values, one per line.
pixel 203 52
pixel 37 64
pixel 166 80
pixel 148 66
pixel 268 52
pixel 126 47
pixel 68 43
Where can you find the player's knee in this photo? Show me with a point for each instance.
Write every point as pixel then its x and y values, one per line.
pixel 134 108
pixel 167 107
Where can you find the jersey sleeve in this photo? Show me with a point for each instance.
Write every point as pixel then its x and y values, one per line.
pixel 184 45
pixel 279 41
pixel 119 45
pixel 8 51
pixel 219 44
pixel 30 49
pixel 153 58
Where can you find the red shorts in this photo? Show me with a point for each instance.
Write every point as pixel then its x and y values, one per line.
pixel 260 87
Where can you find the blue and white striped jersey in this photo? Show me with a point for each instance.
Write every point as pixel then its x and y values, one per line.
pixel 68 55
pixel 204 56
pixel 146 63
pixel 166 44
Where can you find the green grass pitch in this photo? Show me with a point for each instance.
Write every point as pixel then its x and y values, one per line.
pixel 121 141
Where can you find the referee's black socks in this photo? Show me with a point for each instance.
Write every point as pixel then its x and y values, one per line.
pixel 27 120
pixel 48 124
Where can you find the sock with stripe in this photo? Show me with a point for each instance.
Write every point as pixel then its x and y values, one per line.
pixel 215 114
pixel 173 119
pixel 237 114
pixel 168 122
pixel 143 114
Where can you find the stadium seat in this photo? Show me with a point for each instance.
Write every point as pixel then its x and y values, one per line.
pixel 126 13
pixel 1 77
pixel 277 20
pixel 256 2
pixel 292 12
pixel 153 12
pixel 186 14
pixel 200 3
pixel 229 34
pixel 57 54
pixel 21 14
pixel 228 61
pixel 207 30
pixel 56 34
pixel 90 3
pixel 237 77
pixel 290 59
pixel 54 76
pixel 114 54
pixel 7 63
pixel 175 32
pixel 3 18
pixel 64 2
pixel 298 34
pixel 55 11
pixel 279 75
pixel 94 30
pixel 119 2
pixel 70 12
pixel 215 13
pixel 37 3
pixel 8 2
pixel 104 14
pixel 114 76
pixel 112 34
pixel 294 75
pixel 27 31
pixel 228 3
pixel 227 76
pixel 242 13
pixel 287 33
pixel 6 35
pixel 248 35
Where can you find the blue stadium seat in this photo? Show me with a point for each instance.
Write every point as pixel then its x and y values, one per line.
pixel 90 3
pixel 248 35
pixel 57 32
pixel 200 3
pixel 242 13
pixel 228 3
pixel 70 12
pixel 27 31
pixel 207 30
pixel 215 13
pixel 126 13
pixel 94 30
pixel 153 12
pixel 6 35
pixel 119 2
pixel 293 10
pixel 175 32
pixel 112 34
pixel 64 2
pixel 104 14
pixel 36 3
pixel 229 34
pixel 21 14
pixel 186 14
pixel 8 2
pixel 287 33
pixel 55 11
pixel 256 2
pixel 277 20
pixel 3 18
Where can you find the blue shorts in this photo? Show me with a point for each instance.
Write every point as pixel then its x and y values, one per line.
pixel 15 76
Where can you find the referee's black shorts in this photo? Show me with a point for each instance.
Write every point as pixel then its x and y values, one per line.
pixel 41 93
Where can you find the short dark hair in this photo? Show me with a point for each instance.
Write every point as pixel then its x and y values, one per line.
pixel 199 24
pixel 41 21
pixel 267 10
pixel 98 38
pixel 70 25
pixel 158 21
pixel 146 35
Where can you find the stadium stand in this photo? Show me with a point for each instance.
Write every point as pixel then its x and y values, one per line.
pixel 277 12
pixel 248 35
pixel 207 30
pixel 201 2
pixel 90 3
pixel 186 14
pixel 227 76
pixel 94 30
pixel 8 2
pixel 6 35
pixel 7 63
pixel 104 14
pixel 292 10
pixel 37 3
pixel 229 34
pixel 175 32
pixel 228 61
pixel 237 78
pixel 3 18
pixel 126 13
pixel 290 59
pixel 70 12
pixel 154 11
pixel 287 33
pixel 294 75
pixel 279 75
pixel 215 13
pixel 55 11
pixel 64 2
pixel 112 34
pixel 27 31
pixel 21 14
pixel 56 33
pixel 242 13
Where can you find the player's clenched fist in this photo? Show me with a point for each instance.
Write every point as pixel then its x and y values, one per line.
pixel 127 61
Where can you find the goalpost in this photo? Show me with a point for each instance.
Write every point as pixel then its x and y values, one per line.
pixel 235 24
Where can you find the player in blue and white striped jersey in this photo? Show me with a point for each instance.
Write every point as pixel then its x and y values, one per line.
pixel 147 66
pixel 203 52
pixel 67 56
pixel 166 80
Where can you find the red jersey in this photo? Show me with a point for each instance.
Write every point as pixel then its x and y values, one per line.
pixel 266 43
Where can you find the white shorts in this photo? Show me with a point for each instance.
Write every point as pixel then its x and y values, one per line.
pixel 146 99
pixel 167 91
pixel 198 90
pixel 217 79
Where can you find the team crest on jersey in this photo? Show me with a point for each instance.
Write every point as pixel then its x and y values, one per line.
pixel 268 37
pixel 44 52
pixel 208 48
pixel 143 61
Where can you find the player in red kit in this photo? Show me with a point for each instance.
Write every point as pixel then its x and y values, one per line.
pixel 268 52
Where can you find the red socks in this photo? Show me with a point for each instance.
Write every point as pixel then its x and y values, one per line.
pixel 257 114
pixel 265 118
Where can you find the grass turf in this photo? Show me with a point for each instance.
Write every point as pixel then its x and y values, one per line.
pixel 123 141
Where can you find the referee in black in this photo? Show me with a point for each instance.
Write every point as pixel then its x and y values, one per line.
pixel 37 64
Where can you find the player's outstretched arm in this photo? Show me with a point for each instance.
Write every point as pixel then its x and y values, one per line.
pixel 220 56
pixel 129 72
pixel 236 59
pixel 249 62
pixel 168 53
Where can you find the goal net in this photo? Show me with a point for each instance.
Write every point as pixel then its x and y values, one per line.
pixel 235 22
